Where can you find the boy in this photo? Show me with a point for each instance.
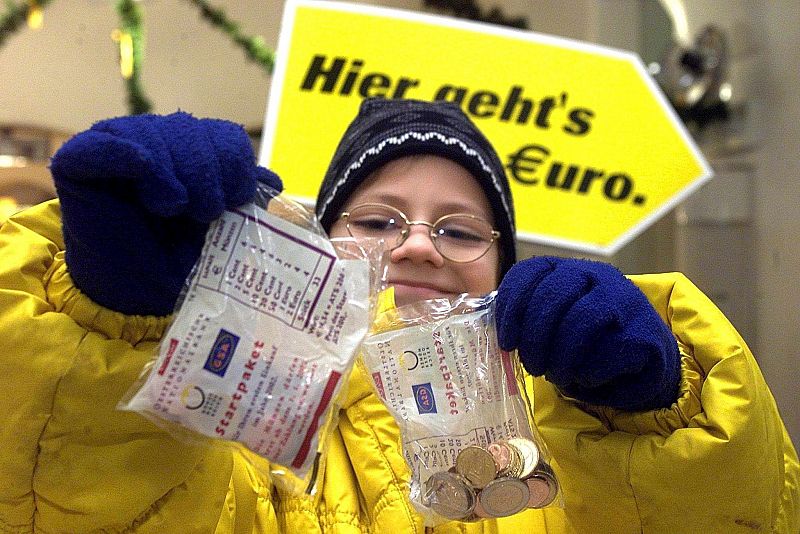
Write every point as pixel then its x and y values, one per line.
pixel 83 313
pixel 637 391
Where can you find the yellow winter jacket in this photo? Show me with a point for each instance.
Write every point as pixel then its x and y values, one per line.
pixel 718 461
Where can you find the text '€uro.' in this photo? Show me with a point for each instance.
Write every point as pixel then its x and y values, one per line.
pixel 532 164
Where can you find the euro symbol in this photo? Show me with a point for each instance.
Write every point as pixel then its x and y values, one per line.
pixel 411 354
pixel 523 163
pixel 199 399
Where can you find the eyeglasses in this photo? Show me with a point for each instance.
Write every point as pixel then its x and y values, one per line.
pixel 459 237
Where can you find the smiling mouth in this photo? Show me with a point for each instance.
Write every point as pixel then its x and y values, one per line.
pixel 407 292
pixel 417 285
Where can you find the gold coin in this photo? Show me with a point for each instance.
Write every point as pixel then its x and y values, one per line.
pixel 504 496
pixel 516 464
pixel 530 455
pixel 476 464
pixel 449 495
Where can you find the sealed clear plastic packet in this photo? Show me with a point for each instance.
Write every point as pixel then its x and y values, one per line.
pixel 465 418
pixel 264 337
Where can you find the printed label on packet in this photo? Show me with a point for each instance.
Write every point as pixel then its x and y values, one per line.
pixel 263 339
pixel 449 385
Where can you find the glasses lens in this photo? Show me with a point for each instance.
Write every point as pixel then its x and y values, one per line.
pixel 383 222
pixel 463 238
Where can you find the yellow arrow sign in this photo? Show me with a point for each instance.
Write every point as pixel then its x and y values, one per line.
pixel 593 151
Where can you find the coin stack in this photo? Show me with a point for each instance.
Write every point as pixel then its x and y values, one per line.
pixel 498 480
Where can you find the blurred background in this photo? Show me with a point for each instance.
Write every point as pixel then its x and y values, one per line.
pixel 730 68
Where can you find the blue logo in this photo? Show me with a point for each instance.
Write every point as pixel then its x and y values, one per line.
pixel 423 395
pixel 221 353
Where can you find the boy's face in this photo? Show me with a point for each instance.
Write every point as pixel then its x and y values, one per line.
pixel 426 188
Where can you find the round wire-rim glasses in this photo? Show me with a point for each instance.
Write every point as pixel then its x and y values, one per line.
pixel 458 237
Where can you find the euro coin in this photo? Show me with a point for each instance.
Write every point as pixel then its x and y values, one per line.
pixel 477 465
pixel 515 464
pixel 478 511
pixel 530 455
pixel 504 496
pixel 542 492
pixel 449 495
pixel 543 475
pixel 501 454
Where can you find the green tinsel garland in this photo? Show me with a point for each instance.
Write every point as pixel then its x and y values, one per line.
pixel 15 16
pixel 255 47
pixel 131 22
pixel 130 15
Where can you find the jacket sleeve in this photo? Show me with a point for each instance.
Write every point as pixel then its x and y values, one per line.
pixel 71 461
pixel 718 460
pixel 28 388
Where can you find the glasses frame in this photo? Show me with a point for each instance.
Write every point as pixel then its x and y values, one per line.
pixel 405 232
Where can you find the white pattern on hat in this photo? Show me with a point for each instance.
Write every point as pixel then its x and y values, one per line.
pixel 419 136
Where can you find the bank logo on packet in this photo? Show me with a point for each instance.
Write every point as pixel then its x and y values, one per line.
pixel 265 335
pixel 423 395
pixel 219 357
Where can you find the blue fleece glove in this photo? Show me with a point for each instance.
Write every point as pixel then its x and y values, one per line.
pixel 137 196
pixel 590 331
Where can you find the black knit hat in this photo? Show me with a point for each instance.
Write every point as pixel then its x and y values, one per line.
pixel 385 130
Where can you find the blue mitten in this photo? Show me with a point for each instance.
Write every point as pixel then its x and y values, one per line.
pixel 590 331
pixel 137 196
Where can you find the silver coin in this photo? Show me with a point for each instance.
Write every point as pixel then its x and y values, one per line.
pixel 449 495
pixel 529 452
pixel 504 496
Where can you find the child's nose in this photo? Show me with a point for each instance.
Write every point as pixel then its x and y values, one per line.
pixel 418 247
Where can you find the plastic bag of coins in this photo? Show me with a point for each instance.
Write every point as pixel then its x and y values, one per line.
pixel 463 411
pixel 274 309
